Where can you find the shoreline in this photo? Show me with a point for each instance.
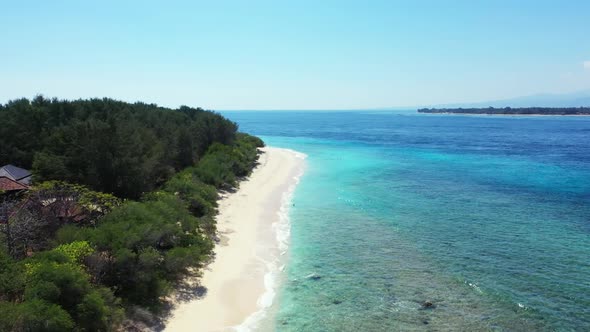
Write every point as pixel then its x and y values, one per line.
pixel 253 225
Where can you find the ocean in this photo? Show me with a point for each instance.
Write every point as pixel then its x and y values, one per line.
pixel 408 222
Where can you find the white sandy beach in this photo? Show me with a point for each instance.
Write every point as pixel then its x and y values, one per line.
pixel 249 251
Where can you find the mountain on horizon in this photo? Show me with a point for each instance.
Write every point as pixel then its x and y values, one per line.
pixel 575 99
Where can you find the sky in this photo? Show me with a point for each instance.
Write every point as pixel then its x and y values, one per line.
pixel 300 54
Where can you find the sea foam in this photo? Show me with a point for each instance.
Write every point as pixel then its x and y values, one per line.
pixel 275 266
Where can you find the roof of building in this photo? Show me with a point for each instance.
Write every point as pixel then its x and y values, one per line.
pixel 14 173
pixel 7 184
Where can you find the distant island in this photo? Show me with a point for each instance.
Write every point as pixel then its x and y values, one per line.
pixel 511 111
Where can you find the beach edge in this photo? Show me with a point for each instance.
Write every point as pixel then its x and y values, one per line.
pixel 240 284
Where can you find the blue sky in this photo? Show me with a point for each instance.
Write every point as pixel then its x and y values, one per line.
pixel 294 54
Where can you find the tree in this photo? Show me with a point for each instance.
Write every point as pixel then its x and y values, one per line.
pixel 36 315
pixel 31 223
pixel 111 146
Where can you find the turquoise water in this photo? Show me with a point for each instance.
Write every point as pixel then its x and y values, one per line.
pixel 487 218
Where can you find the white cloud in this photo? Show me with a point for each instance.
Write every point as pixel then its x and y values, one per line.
pixel 587 64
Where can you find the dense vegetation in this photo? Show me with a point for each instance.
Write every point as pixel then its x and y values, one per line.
pixel 74 259
pixel 110 146
pixel 512 111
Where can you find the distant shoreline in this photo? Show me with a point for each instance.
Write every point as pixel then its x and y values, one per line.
pixel 510 115
pixel 508 111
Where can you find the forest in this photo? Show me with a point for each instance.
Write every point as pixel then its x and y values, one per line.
pixel 512 111
pixel 122 208
pixel 108 145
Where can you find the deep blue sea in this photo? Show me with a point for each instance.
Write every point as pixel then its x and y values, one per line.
pixel 486 217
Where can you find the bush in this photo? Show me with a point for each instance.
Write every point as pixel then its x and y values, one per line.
pixel 129 252
pixel 57 277
pixel 35 315
pixel 51 291
pixel 223 164
pixel 12 281
pixel 141 237
pixel 201 197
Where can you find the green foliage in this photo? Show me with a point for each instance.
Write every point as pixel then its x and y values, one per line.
pixel 51 291
pixel 125 253
pixel 48 206
pixel 245 151
pixel 58 277
pixel 139 235
pixel 35 315
pixel 216 167
pixel 223 164
pixel 12 281
pixel 250 140
pixel 52 277
pixel 108 145
pixel 179 258
pixel 201 197
pixel 75 251
pixel 70 233
pixel 92 203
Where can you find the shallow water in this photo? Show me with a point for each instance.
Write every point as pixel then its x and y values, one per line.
pixel 487 218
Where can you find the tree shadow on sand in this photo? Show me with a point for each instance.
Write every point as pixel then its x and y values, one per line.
pixel 186 290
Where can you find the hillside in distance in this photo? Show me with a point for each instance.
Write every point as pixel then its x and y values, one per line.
pixel 544 100
pixel 511 111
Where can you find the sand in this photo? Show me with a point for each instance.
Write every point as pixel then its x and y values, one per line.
pixel 252 225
